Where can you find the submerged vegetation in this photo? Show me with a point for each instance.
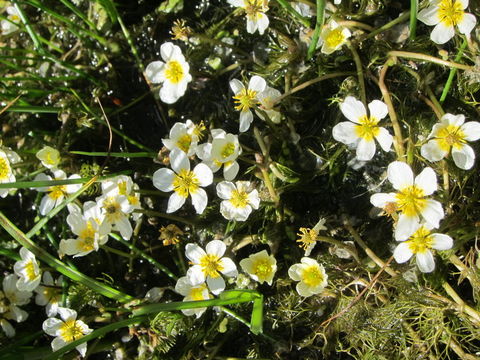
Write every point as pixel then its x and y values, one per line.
pixel 239 179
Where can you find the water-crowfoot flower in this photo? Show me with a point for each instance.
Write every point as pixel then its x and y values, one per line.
pixel 308 237
pixel 66 330
pixel 247 98
pixel 170 234
pixel 7 157
pixel 411 199
pixel 123 185
pixel 27 270
pixel 445 15
pixel 49 294
pixel 452 134
pixel 192 293
pixel 208 264
pixel 238 199
pixel 311 276
pixel 49 157
pixel 420 243
pixel 362 129
pixel 10 300
pixel 267 99
pixel 117 209
pixel 183 182
pixel 55 194
pixel 255 11
pixel 90 228
pixel 222 151
pixel 172 72
pixel 260 267
pixel 9 26
pixel 183 136
pixel 333 36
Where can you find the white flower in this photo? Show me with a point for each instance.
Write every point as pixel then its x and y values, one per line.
pixel 452 133
pixel 10 300
pixel 247 98
pixel 222 151
pixel 260 267
pixel 56 193
pixel 303 9
pixel 123 185
pixel 9 26
pixel 420 243
pixel 173 72
pixel 183 182
pixel 49 294
pixel 255 11
pixel 6 172
pixel 238 201
pixel 207 265
pixel 90 228
pixel 362 129
pixel 311 276
pixel 267 100
pixel 192 293
pixel 333 36
pixel 49 157
pixel 445 15
pixel 411 199
pixel 183 136
pixel 116 209
pixel 27 270
pixel 66 330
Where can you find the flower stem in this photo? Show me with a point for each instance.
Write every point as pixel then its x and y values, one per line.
pixel 418 56
pixel 462 305
pixel 361 79
pixel 453 71
pixel 413 18
pixel 318 27
pixel 294 13
pixel 387 26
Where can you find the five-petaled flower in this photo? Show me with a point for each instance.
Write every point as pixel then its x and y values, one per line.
pixel 66 330
pixel 452 133
pixel 7 157
pixel 10 24
pixel 208 264
pixel 445 15
pixel 238 199
pixel 246 98
pixel 192 293
pixel 183 182
pixel 311 276
pixel 362 129
pixel 27 270
pixel 173 72
pixel 333 36
pixel 10 300
pixel 255 11
pixel 420 243
pixel 411 199
pixel 183 136
pixel 49 294
pixel 260 267
pixel 49 157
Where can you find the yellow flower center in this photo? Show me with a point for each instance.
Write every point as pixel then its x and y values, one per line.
pixel 57 192
pixel 30 272
pixel 262 268
pixel 122 188
pixel 70 331
pixel 197 293
pixel 239 199
pixel 254 7
pixel 184 142
pixel 450 12
pixel 335 38
pixel 51 293
pixel 312 276
pixel 185 183
pixel 170 234
pixel 367 129
pixel 450 136
pixel 245 99
pixel 51 158
pixel 174 72
pixel 14 18
pixel 307 237
pixel 113 210
pixel 410 200
pixel 211 265
pixel 87 236
pixel 227 150
pixel 4 169
pixel 421 241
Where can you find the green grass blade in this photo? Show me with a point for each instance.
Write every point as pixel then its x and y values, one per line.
pixel 35 109
pixel 117 154
pixel 294 13
pixel 256 322
pixel 413 19
pixel 318 27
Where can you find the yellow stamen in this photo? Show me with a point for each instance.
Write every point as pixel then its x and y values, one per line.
pixel 185 183
pixel 113 210
pixel 239 199
pixel 450 12
pixel 70 331
pixel 57 191
pixel 262 268
pixel 184 142
pixel 450 136
pixel 211 265
pixel 30 272
pixel 307 237
pixel 5 170
pixel 245 99
pixel 335 38
pixel 421 241
pixel 410 200
pixel 197 293
pixel 227 150
pixel 174 71
pixel 312 276
pixel 367 129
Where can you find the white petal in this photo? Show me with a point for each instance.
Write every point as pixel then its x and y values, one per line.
pixel 183 286
pixel 451 119
pixel 303 289
pixel 194 253
pixel 353 109
pixel 293 272
pixel 46 205
pixel 365 150
pixel 236 86
pixel 169 51
pixel 163 179
pixel 425 262
pixel 246 118
pixel 175 202
pixel 230 171
pixel 262 23
pixel 400 175
pixel 384 139
pixel 195 275
pixel 251 26
pixel 82 349
pixel 224 189
pixel 402 253
pixel 199 200
pixel 432 151
pixel 58 343
pixel 204 174
pixel 433 213
pixel 229 267
pixel 216 285
pixel 345 132
pixel 442 242
pixel 467 24
pixel 257 83
pixel 179 160
pixel 429 16
pixel 254 199
pixel 241 214
pixel 378 109
pixel 471 129
pixel 170 93
pixel 380 200
pixel 464 157
pixel 51 326
pixel 7 328
pixel 123 225
pixel 216 247
pixel 406 226
pixel 67 314
pixel 204 151
pixel 427 181
pixel 441 33
pixel 227 210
